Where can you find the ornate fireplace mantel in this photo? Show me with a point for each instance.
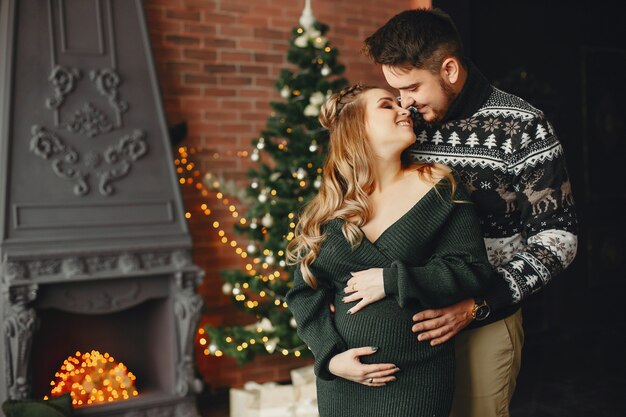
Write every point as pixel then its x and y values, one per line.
pixel 91 219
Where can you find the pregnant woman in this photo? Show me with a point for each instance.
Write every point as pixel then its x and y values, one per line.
pixel 409 222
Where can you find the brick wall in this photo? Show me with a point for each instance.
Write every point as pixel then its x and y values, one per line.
pixel 217 62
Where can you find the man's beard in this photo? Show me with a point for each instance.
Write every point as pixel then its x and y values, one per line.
pixel 439 114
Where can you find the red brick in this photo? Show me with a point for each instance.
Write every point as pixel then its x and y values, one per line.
pixel 200 54
pixel 200 28
pixel 200 79
pixel 231 6
pixel 238 31
pixel 222 19
pixel 255 20
pixel 185 15
pixel 182 40
pixel 253 69
pixel 252 44
pixel 235 56
pixel 220 69
pixel 236 128
pixel 272 58
pixel 221 43
pixel 265 33
pixel 226 80
pixel 183 66
pixel 160 27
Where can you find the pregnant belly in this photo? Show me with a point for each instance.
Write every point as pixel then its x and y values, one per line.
pixel 387 326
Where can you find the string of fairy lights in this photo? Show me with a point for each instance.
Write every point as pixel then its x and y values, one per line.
pixel 264 267
pixel 209 188
pixel 93 378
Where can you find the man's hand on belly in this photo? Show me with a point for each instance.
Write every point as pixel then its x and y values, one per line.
pixel 440 325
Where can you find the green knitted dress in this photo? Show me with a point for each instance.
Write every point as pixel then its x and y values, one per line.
pixel 433 256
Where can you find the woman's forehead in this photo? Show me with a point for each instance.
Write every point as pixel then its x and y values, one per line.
pixel 376 94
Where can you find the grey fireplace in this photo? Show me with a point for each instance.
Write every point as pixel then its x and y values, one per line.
pixel 94 249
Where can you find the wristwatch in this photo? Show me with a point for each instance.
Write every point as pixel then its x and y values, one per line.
pixel 481 309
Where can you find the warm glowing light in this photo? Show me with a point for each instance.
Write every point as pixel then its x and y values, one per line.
pixel 88 376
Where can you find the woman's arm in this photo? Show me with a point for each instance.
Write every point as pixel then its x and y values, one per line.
pixel 311 309
pixel 458 268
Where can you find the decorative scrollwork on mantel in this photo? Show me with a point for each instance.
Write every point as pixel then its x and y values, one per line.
pixel 103 302
pixel 187 308
pixel 13 271
pixel 97 265
pixel 129 149
pixel 20 323
pixel 89 120
pixel 107 81
pixel 65 159
pixel 47 145
pixel 63 79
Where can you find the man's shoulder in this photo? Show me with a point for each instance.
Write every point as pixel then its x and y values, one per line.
pixel 501 103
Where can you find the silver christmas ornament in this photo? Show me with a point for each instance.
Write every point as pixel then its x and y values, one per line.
pixel 227 288
pixel 267 220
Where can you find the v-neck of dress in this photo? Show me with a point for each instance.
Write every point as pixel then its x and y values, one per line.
pixel 399 219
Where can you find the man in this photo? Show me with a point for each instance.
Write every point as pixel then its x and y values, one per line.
pixel 511 161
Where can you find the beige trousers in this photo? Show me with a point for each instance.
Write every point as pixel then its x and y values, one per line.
pixel 488 362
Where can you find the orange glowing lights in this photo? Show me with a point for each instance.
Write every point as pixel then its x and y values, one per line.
pixel 93 378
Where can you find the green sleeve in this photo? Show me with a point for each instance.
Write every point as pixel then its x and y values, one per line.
pixel 311 309
pixel 458 268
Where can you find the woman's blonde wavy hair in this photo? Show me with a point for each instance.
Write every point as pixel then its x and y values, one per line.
pixel 348 180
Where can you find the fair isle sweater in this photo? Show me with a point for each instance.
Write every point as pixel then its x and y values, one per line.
pixel 432 256
pixel 508 155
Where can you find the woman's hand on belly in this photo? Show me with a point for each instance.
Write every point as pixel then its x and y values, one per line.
pixel 366 286
pixel 347 365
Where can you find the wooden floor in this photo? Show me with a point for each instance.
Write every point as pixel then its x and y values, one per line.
pixel 576 376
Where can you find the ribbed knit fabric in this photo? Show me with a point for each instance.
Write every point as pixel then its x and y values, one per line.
pixel 432 256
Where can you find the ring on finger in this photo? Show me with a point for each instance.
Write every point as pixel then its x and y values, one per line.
pixel 371 380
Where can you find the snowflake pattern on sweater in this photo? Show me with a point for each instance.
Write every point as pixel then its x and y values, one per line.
pixel 509 158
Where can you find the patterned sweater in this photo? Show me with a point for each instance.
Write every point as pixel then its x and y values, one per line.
pixel 511 161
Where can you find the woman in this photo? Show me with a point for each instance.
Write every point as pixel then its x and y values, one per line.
pixel 409 224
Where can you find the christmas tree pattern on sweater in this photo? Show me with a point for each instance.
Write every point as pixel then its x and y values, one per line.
pixel 509 158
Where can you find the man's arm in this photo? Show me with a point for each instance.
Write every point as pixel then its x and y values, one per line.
pixel 548 220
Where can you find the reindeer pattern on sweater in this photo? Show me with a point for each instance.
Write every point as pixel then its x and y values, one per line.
pixel 512 163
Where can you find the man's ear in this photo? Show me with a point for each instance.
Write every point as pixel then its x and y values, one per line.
pixel 451 70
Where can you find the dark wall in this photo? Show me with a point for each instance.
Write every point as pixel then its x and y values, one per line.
pixel 569 60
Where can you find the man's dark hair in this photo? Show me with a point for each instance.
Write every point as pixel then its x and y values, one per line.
pixel 420 38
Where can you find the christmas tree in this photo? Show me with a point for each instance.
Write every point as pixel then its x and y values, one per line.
pixel 290 153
